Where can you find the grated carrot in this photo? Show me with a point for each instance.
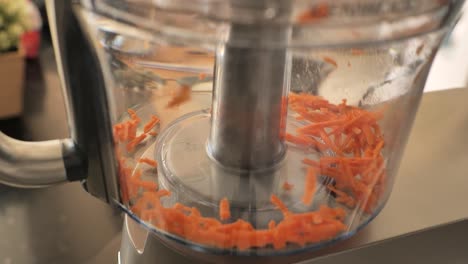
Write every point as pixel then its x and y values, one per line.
pixel 133 115
pixel 359 180
pixel 320 125
pixel 330 60
pixel 132 144
pixel 279 204
pixel 271 224
pixel 183 96
pixel 147 185
pixel 149 161
pixel 357 51
pixel 329 143
pixel 310 186
pixel 314 14
pixel 148 126
pixel 132 129
pixel 224 211
pixel 287 186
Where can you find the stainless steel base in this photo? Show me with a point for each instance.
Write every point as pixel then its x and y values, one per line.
pixel 425 220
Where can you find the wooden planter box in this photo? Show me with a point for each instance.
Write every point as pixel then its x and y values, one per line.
pixel 11 83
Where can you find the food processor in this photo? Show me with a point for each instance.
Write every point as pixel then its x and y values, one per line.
pixel 235 130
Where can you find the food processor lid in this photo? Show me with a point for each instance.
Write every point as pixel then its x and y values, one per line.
pixel 312 22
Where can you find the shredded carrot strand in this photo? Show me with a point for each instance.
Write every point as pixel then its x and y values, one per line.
pixel 224 211
pixel 133 115
pixel 149 161
pixel 183 96
pixel 357 51
pixel 314 14
pixel 287 186
pixel 132 144
pixel 148 126
pixel 310 186
pixel 330 60
pixel 279 204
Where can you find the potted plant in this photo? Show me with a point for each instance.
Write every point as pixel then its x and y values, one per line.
pixel 13 23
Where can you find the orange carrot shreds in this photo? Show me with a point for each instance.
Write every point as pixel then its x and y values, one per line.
pixel 149 161
pixel 224 211
pixel 321 125
pixel 329 160
pixel 148 126
pixel 342 197
pixel 357 51
pixel 347 142
pixel 182 208
pixel 346 200
pixel 312 116
pixel 132 144
pixel 305 141
pixel 120 131
pixel 314 14
pixel 310 186
pixel 359 180
pixel 337 137
pixel 131 112
pixel 329 143
pixel 279 204
pixel 133 115
pixel 299 140
pixel 356 130
pixel 368 134
pixel 332 213
pixel 317 219
pixel 350 147
pixel 181 97
pixel 132 129
pixel 136 176
pixel 356 151
pixel 310 162
pixel 153 133
pixel 147 185
pixel 330 60
pixel 271 224
pixel 336 191
pixel 287 186
pixel 348 174
pixel 117 132
pixel 378 148
pixel 349 123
